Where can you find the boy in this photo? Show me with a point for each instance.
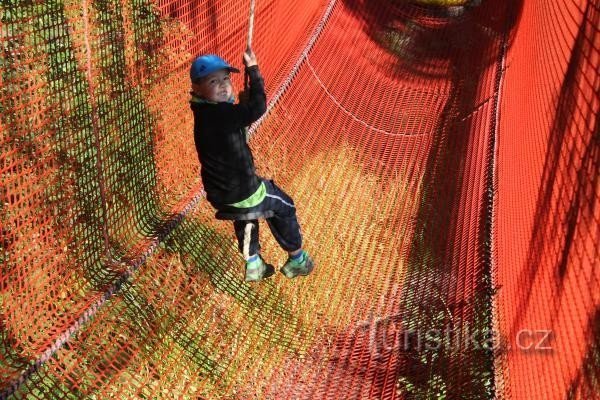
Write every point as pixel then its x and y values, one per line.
pixel 228 173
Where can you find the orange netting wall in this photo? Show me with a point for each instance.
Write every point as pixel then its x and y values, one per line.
pixel 444 162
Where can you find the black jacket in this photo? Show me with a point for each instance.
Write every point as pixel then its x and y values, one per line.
pixel 227 166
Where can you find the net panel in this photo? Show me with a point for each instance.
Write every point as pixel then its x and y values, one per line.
pixel 392 130
pixel 547 205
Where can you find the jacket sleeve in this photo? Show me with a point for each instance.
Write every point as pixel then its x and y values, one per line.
pixel 243 114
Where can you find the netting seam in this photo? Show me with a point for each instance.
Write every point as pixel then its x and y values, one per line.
pixel 491 180
pixel 166 229
pixel 89 313
pixel 349 113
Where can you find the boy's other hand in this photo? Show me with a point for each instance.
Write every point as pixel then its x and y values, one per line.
pixel 249 58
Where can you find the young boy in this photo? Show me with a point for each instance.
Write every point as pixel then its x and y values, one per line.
pixel 228 174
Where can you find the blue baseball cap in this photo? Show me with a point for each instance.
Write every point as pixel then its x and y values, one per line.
pixel 207 64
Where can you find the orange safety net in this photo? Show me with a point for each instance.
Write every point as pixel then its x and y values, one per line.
pixel 443 159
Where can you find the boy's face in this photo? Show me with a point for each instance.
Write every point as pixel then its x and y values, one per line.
pixel 215 87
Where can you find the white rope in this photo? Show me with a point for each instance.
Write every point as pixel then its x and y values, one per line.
pixel 251 24
pixel 349 113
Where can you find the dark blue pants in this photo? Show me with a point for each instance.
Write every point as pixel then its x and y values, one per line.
pixel 284 224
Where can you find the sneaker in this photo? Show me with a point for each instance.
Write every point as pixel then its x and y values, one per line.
pixel 293 268
pixel 258 270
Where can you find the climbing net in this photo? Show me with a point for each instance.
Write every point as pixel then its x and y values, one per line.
pixel 444 161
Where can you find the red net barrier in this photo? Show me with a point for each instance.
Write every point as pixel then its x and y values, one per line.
pixel 443 158
pixel 547 204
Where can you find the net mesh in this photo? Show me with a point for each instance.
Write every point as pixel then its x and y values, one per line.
pixel 443 156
